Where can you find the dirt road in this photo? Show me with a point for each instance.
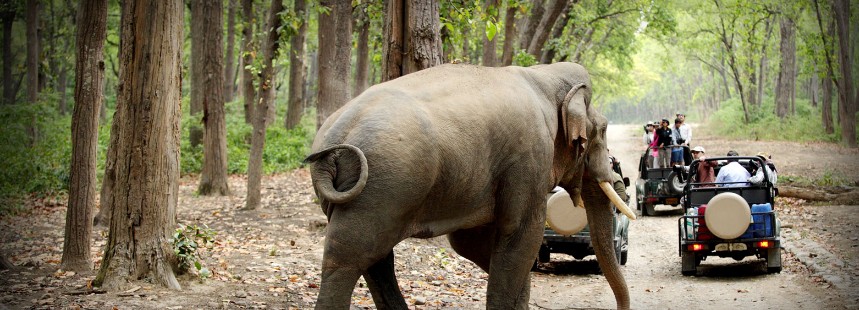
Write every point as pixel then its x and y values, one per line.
pixel 653 269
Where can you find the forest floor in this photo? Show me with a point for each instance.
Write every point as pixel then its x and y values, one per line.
pixel 270 258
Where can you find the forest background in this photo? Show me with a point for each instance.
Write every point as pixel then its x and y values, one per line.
pixel 773 70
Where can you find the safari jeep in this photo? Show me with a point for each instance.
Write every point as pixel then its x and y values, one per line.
pixel 658 186
pixel 729 220
pixel 567 230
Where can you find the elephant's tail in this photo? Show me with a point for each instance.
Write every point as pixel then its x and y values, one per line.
pixel 323 174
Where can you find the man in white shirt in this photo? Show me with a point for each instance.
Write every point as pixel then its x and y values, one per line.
pixel 758 178
pixel 733 172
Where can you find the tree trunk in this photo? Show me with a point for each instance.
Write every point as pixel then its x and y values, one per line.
pixel 762 68
pixel 9 89
pixel 490 58
pixel 247 58
pixel 229 63
pixel 549 54
pixel 846 109
pixel 297 70
pixel 147 153
pixel 392 49
pixel 531 24
pixel 335 36
pixel 363 62
pixel 543 30
pixel 209 46
pixel 61 88
pixel 32 14
pixel 89 95
pixel 266 91
pixel 423 40
pixel 786 76
pixel 509 34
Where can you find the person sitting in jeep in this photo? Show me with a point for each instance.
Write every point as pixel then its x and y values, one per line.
pixel 758 177
pixel 705 170
pixel 734 174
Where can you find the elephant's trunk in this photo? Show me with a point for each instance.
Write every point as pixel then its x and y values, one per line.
pixel 324 174
pixel 601 217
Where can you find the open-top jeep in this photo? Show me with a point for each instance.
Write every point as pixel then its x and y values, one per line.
pixel 658 186
pixel 729 219
pixel 567 230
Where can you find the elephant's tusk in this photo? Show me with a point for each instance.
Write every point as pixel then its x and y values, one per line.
pixel 612 195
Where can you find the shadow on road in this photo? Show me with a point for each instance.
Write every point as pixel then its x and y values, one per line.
pixel 569 267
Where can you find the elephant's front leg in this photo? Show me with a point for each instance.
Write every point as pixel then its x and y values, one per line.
pixel 520 221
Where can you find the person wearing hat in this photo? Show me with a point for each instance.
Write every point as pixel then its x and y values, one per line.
pixel 733 174
pixel 758 178
pixel 663 143
pixel 706 173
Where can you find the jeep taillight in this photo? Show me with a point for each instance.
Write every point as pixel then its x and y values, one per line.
pixel 764 244
pixel 696 247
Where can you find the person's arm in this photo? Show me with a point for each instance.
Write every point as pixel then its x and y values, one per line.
pixel 688 135
pixel 758 178
pixel 621 190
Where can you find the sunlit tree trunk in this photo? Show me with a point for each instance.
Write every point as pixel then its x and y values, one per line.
pixel 532 21
pixel 413 41
pixel 846 101
pixel 247 58
pixel 786 83
pixel 266 91
pixel 362 65
pixel 548 54
pixel 146 185
pixel 209 82
pixel 89 95
pixel 541 34
pixel 297 68
pixel 335 43
pixel 229 63
pixel 509 34
pixel 490 58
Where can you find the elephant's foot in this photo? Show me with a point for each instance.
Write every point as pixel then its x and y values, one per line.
pixel 382 282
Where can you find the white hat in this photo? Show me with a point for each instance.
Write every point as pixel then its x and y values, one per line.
pixel 698 149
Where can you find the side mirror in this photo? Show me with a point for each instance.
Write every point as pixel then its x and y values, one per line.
pixel 626 181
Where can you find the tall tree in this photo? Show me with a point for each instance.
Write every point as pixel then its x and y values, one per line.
pixel 266 91
pixel 412 38
pixel 509 33
pixel 208 49
pixel 531 23
pixel 490 56
pixel 786 83
pixel 847 103
pixel 335 47
pixel 89 94
pixel 7 16
pixel 147 162
pixel 362 65
pixel 544 28
pixel 826 105
pixel 247 58
pixel 32 15
pixel 297 67
pixel 229 66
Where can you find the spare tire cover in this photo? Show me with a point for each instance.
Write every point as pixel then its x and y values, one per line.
pixel 728 215
pixel 563 217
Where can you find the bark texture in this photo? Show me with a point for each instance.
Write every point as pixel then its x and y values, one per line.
pixel 248 91
pixel 413 40
pixel 392 48
pixel 847 103
pixel 146 173
pixel 531 23
pixel 826 105
pixel 541 34
pixel 509 35
pixel 266 91
pixel 786 82
pixel 89 96
pixel 490 56
pixel 209 46
pixel 362 65
pixel 297 67
pixel 335 48
pixel 229 60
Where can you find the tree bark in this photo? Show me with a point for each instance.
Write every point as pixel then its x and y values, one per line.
pixel 61 90
pixel 557 30
pixel 531 24
pixel 266 91
pixel 490 56
pixel 89 95
pixel 509 35
pixel 423 40
pixel 247 58
pixel 297 70
pixel 32 15
pixel 208 61
pixel 146 185
pixel 362 68
pixel 543 30
pixel 335 43
pixel 846 108
pixel 8 17
pixel 826 109
pixel 229 63
pixel 392 57
pixel 785 85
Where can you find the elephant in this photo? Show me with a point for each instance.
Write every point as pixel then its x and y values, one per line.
pixel 464 151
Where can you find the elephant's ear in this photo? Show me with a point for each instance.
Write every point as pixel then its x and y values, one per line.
pixel 574 115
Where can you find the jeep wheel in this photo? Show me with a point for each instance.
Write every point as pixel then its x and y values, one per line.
pixel 689 264
pixel 674 184
pixel 774 260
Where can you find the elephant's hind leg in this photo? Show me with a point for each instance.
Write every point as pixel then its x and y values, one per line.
pixel 475 244
pixel 382 282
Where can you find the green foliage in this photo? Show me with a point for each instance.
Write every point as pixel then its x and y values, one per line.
pixel 187 241
pixel 522 58
pixel 765 125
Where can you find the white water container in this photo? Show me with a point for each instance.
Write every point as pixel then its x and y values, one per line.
pixel 691 223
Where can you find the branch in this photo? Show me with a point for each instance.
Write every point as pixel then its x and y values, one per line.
pixel 825 45
pixel 610 15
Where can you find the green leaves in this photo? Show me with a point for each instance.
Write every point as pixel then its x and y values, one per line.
pixel 186 243
pixel 491 29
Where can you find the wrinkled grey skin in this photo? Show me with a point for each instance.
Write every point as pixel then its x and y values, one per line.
pixel 465 151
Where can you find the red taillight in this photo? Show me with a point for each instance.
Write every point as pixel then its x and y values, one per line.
pixel 696 247
pixel 764 244
pixel 652 199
